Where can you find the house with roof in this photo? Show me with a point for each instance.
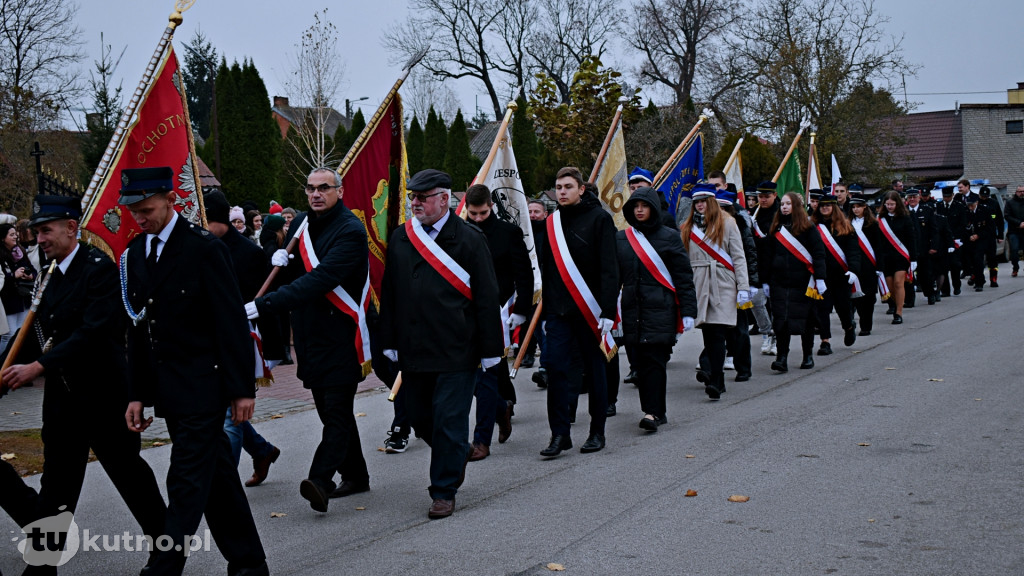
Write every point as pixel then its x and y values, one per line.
pixel 287 115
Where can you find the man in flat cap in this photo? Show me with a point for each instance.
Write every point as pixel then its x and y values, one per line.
pixel 956 217
pixel 326 288
pixel 440 319
pixel 189 356
pixel 79 326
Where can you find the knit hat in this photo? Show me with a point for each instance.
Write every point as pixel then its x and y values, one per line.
pixel 236 213
pixel 275 208
pixel 217 207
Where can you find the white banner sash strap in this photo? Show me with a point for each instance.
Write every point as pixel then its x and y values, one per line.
pixel 649 257
pixel 574 282
pixel 757 229
pixel 892 238
pixel 883 288
pixel 344 302
pixel 712 249
pixel 865 245
pixel 438 259
pixel 262 371
pixel 833 246
pixel 800 252
pixel 506 312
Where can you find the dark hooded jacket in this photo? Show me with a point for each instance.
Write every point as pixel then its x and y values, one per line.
pixel 650 311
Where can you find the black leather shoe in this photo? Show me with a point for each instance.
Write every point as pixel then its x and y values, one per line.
pixel 743 377
pixel 261 570
pixel 956 292
pixel 938 297
pixel 631 378
pixel 993 284
pixel 348 488
pixel 825 349
pixel 781 364
pixel 931 300
pixel 558 444
pixel 849 337
pixel 808 362
pixel 704 377
pixel 528 361
pixel 610 410
pixel 594 443
pixel 315 494
pixel 540 377
pixel 897 319
pixel 908 304
pixel 864 333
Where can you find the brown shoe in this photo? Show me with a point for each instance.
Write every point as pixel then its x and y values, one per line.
pixel 479 452
pixel 261 467
pixel 505 423
pixel 441 508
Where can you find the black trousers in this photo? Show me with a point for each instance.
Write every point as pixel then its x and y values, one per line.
pixel 612 376
pixel 573 348
pixel 837 298
pixel 16 497
pixel 865 307
pixel 339 449
pixel 974 261
pixel 737 344
pixel 783 336
pixel 714 345
pixel 651 362
pixel 439 404
pixel 955 261
pixel 203 480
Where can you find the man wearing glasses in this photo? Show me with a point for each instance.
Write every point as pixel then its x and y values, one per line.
pixel 325 289
pixel 440 319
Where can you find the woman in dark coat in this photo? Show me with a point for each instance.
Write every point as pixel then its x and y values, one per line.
pixel 841 273
pixel 651 312
pixel 17 270
pixel 276 342
pixel 791 285
pixel 865 223
pixel 894 263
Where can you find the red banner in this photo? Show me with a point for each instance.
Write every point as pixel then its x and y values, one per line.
pixel 158 135
pixel 368 189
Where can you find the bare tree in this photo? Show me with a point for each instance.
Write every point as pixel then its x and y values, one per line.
pixel 567 32
pixel 316 76
pixel 422 90
pixel 681 42
pixel 39 56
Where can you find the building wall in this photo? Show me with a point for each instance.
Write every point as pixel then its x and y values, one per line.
pixel 989 152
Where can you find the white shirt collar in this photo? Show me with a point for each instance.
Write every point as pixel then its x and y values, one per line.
pixel 164 234
pixel 66 262
pixel 439 224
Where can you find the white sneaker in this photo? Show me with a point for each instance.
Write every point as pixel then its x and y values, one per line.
pixel 775 349
pixel 728 364
pixel 766 344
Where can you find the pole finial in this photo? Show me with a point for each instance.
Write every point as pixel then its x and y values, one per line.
pixel 179 7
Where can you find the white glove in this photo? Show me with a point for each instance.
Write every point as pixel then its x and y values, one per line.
pixel 273 364
pixel 913 266
pixel 515 320
pixel 851 278
pixel 765 288
pixel 753 291
pixel 251 312
pixel 819 285
pixel 391 355
pixel 604 325
pixel 951 250
pixel 280 258
pixel 742 297
pixel 488 363
pixel 687 323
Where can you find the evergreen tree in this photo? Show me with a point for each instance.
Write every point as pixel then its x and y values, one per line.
pixel 435 139
pixel 199 77
pixel 524 142
pixel 341 139
pixel 459 160
pixel 106 111
pixel 229 121
pixel 651 112
pixel 414 146
pixel 358 123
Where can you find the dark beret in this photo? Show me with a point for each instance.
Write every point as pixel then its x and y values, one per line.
pixel 426 180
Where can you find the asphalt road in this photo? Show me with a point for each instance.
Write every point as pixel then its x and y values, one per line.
pixel 903 454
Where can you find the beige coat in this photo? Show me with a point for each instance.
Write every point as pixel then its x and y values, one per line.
pixel 717 285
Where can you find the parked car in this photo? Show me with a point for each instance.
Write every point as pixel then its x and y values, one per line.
pixel 1000 195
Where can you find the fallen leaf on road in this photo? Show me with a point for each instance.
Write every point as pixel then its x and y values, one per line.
pixel 857 351
pixel 360 507
pixel 977 399
pixel 863 444
pixel 159 443
pixel 15 413
pixel 690 493
pixel 936 380
pixel 6 457
pixel 889 368
pixel 555 567
pixel 871 519
pixel 360 414
pixel 690 456
pixel 380 449
pixel 738 498
pixel 277 514
pixel 276 416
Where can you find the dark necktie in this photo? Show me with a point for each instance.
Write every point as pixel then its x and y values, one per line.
pixel 151 259
pixel 428 229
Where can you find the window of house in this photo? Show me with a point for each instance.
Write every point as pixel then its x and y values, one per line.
pixel 1015 127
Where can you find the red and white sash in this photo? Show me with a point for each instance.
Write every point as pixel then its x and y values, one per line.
pixel 343 301
pixel 714 250
pixel 652 261
pixel 263 375
pixel 506 312
pixel 887 231
pixel 869 251
pixel 798 250
pixel 837 252
pixel 438 259
pixel 757 229
pixel 574 282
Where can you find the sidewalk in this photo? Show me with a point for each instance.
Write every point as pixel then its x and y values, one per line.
pixel 22 409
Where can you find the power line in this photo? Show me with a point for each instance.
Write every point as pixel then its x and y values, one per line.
pixel 952 93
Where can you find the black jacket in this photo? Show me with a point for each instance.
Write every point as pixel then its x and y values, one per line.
pixel 763 218
pixel 590 234
pixel 252 265
pixel 512 266
pixel 324 335
pixel 982 223
pixel 992 205
pixel 834 270
pixel 904 228
pixel 956 216
pixel 744 222
pixel 787 278
pixel 866 271
pixel 432 325
pixel 927 232
pixel 193 354
pixel 1014 214
pixel 649 310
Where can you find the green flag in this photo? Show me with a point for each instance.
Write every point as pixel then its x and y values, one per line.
pixel 789 180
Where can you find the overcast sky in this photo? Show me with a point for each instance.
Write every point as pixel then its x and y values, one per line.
pixel 970 49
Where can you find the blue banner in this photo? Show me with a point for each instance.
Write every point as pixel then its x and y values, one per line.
pixel 686 170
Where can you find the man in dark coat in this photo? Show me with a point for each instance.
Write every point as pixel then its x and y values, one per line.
pixel 956 215
pixel 332 269
pixel 999 224
pixel 538 215
pixel 647 326
pixel 927 246
pixel 1015 227
pixel 764 214
pixel 981 235
pixel 495 395
pixel 189 356
pixel 574 334
pixel 251 265
pixel 80 327
pixel 440 319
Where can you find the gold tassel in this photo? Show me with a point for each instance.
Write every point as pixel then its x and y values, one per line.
pixel 366 367
pixel 746 306
pixel 264 382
